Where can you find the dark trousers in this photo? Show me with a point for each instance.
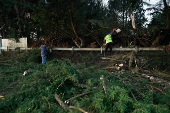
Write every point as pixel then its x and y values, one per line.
pixel 109 45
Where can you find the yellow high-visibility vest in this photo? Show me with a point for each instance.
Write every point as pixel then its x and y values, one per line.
pixel 108 38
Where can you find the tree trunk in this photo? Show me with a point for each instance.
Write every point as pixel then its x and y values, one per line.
pixel 167 13
pixel 18 16
pixel 73 27
pixel 123 16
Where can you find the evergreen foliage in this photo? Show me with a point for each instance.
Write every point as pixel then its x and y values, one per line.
pixel 79 21
pixel 31 56
pixel 34 92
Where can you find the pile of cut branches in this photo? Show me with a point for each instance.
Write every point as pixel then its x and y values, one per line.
pixel 62 86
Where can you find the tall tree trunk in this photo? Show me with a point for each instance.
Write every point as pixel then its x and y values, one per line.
pixel 123 14
pixel 167 13
pixel 18 16
pixel 73 27
pixel 123 17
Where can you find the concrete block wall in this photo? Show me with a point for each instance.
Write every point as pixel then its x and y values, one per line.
pixel 11 43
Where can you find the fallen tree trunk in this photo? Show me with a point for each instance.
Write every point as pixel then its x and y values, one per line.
pixel 64 106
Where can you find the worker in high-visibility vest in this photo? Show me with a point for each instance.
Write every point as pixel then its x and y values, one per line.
pixel 109 42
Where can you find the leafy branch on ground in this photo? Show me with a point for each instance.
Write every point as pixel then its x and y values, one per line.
pixel 79 87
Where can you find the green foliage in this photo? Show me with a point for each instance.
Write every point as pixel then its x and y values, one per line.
pixel 35 91
pixel 12 33
pixel 2 52
pixel 156 60
pixel 89 18
pixel 154 31
pixel 160 16
pixel 32 56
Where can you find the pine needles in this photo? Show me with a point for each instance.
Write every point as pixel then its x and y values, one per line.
pixel 82 86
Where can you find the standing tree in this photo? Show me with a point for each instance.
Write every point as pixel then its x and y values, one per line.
pixel 167 14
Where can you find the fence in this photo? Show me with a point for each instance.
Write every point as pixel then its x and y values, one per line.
pixel 15 49
pixel 136 49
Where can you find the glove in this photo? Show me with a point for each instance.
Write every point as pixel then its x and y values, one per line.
pixel 114 29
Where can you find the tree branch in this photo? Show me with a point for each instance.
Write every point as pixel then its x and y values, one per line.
pixel 80 85
pixel 158 89
pixel 65 107
pixel 2 27
pixel 77 96
pixel 73 27
pixel 78 109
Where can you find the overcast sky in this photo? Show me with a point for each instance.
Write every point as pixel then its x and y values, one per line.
pixel 150 1
pixel 147 12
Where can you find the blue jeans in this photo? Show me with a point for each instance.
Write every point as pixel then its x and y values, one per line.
pixel 44 59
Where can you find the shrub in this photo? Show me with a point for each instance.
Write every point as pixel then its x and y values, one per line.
pixel 31 56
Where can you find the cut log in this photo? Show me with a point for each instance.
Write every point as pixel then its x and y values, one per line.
pixel 122 66
pixel 64 106
pixel 106 58
pixel 104 86
pixel 112 67
pixel 78 109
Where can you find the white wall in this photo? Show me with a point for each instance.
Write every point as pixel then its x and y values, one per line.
pixel 11 43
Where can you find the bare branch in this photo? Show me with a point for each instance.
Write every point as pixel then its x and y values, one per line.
pixel 64 106
pixel 158 89
pixel 2 27
pixel 77 96
pixel 78 109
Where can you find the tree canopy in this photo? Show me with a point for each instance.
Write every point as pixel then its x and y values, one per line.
pixel 78 20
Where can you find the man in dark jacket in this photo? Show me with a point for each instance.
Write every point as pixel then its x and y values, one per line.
pixel 43 53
